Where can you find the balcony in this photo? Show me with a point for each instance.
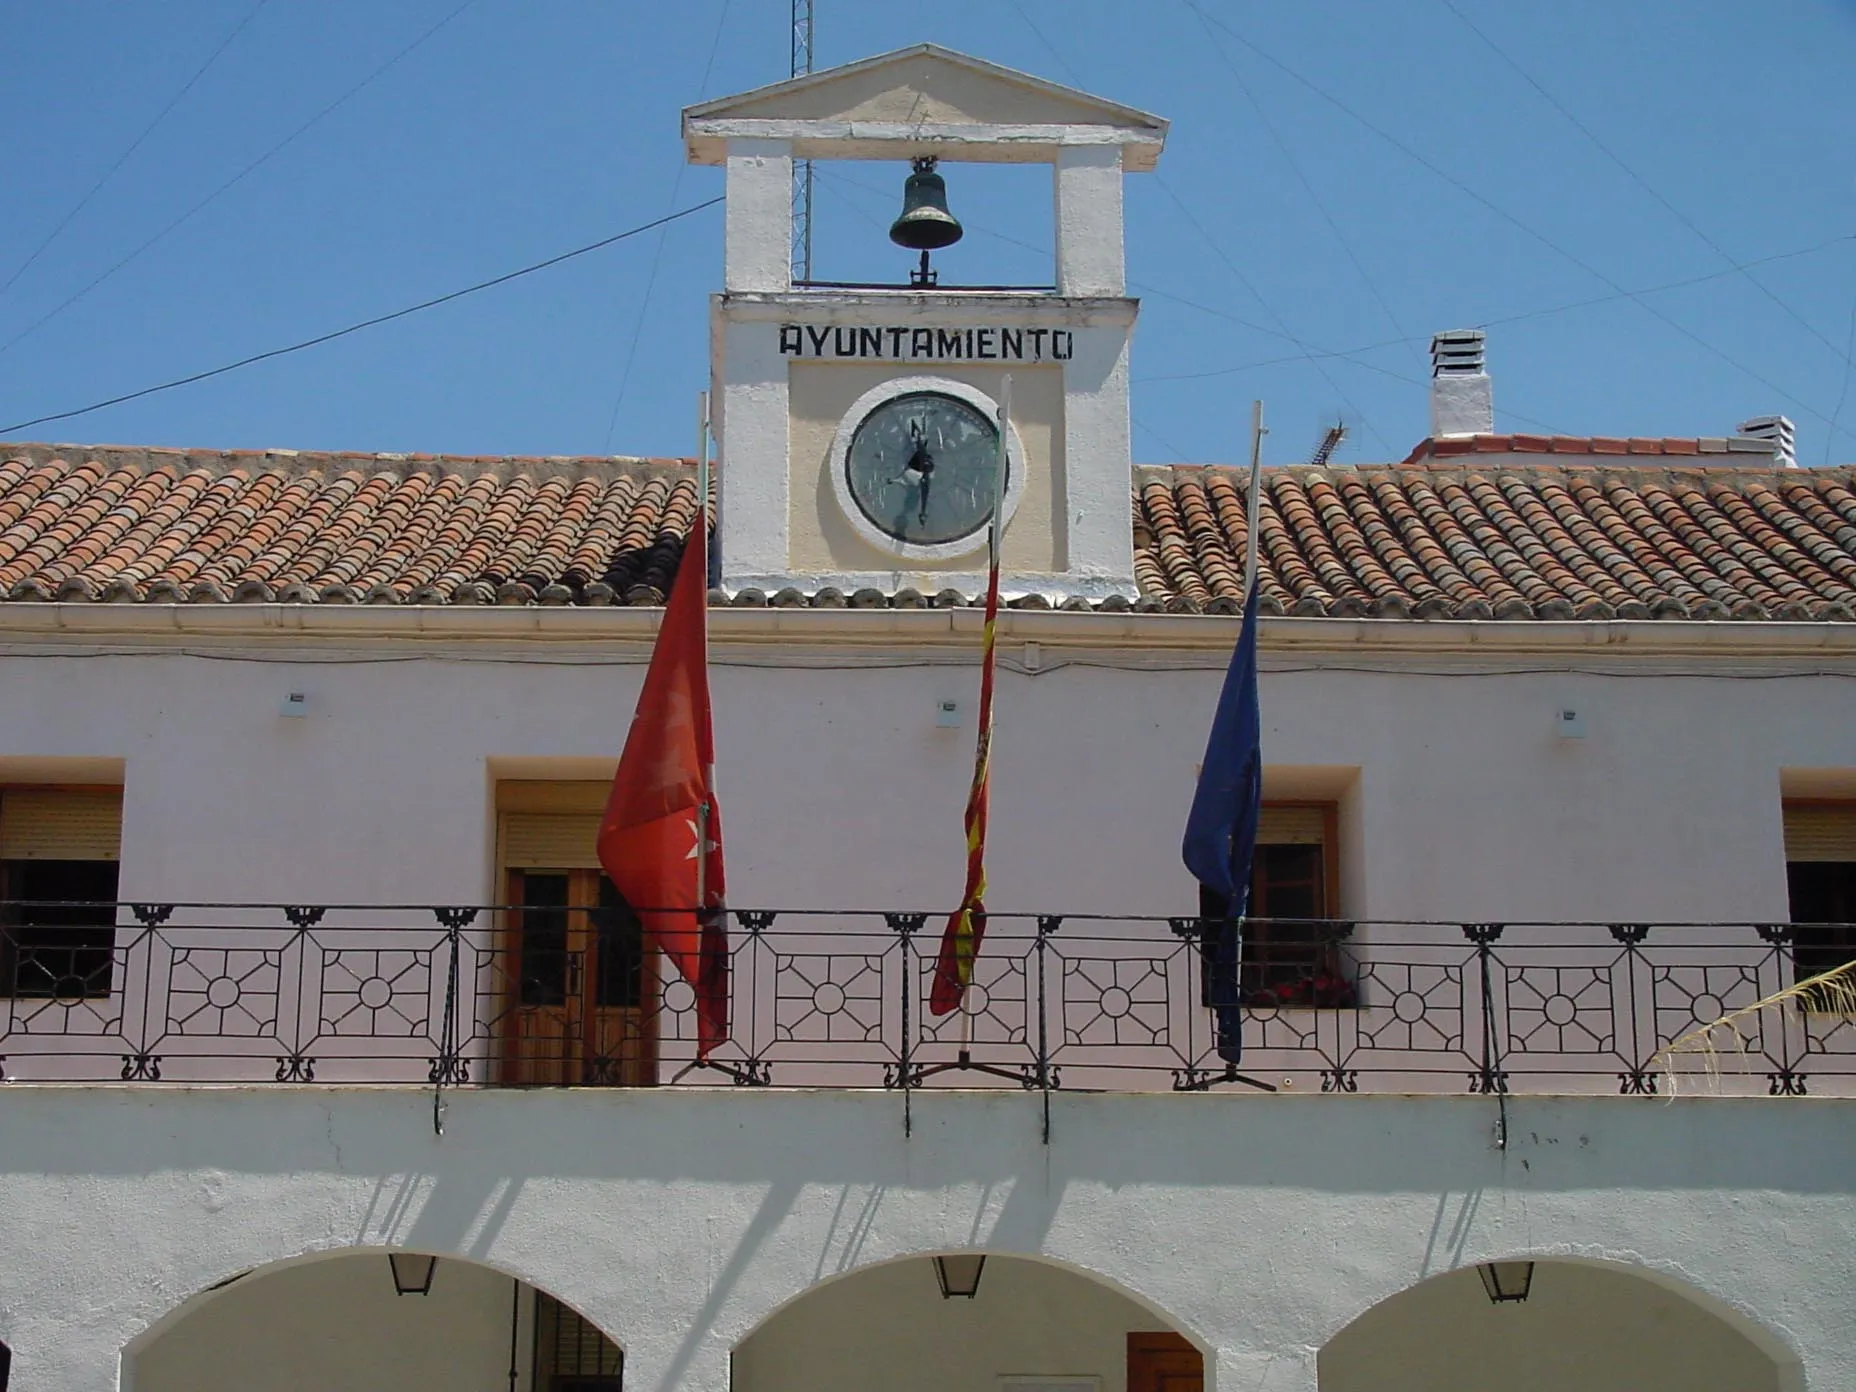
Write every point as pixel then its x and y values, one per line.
pixel 470 996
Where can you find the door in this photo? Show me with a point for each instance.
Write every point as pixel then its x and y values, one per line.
pixel 581 986
pixel 1164 1363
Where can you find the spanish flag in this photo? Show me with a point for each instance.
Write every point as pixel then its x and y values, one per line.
pixel 960 943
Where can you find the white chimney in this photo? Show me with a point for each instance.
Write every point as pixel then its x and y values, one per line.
pixel 1780 432
pixel 1462 398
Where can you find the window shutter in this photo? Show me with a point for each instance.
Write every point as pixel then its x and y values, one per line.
pixel 61 824
pixel 550 841
pixel 1292 826
pixel 1820 832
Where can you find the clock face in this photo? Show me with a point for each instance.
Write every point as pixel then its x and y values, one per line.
pixel 923 468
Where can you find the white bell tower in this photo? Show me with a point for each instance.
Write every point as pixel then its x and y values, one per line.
pixel 807 377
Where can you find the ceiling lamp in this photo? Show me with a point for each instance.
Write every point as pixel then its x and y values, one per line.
pixel 1507 1281
pixel 959 1274
pixel 412 1272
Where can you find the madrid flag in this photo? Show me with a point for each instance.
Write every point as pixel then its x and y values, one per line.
pixel 660 840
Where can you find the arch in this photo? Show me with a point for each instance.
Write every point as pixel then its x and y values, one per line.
pixel 887 1322
pixel 340 1313
pixel 1600 1325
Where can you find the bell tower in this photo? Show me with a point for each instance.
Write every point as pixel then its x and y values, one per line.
pixel 857 423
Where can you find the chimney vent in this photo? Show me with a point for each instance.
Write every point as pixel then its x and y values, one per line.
pixel 1462 398
pixel 1780 432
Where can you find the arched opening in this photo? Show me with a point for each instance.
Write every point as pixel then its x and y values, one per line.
pixel 1591 1326
pixel 365 1322
pixel 6 1367
pixel 910 1325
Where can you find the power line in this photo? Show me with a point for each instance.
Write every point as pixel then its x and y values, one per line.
pixel 365 323
pixel 657 252
pixel 1501 319
pixel 237 178
pixel 1638 179
pixel 1219 252
pixel 134 145
pixel 1510 218
pixel 833 176
pixel 1308 187
pixel 1308 350
pixel 1843 395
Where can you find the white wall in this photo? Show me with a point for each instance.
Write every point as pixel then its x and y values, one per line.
pixel 840 791
pixel 679 1221
pixel 889 1327
pixel 339 1324
pixel 1595 1329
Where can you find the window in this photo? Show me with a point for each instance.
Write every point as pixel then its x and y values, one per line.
pixel 578 987
pixel 1291 944
pixel 58 858
pixel 1820 873
pixel 571 1355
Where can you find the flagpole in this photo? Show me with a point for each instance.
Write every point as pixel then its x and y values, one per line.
pixel 699 533
pixel 995 528
pixel 1257 432
pixel 997 524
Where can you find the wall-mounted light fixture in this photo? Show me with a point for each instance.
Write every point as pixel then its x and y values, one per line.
pixel 1507 1281
pixel 412 1272
pixel 959 1274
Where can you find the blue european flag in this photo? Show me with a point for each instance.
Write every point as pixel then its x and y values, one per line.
pixel 1221 830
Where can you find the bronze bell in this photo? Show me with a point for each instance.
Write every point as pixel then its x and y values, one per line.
pixel 925 224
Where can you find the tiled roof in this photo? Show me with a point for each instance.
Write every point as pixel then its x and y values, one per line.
pixel 1440 540
pixel 173 525
pixel 1589 445
pixel 1452 540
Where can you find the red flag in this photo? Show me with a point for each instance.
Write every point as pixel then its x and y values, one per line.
pixel 660 840
pixel 960 942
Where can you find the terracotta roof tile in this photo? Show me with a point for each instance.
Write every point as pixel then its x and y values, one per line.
pixel 1663 538
pixel 1461 534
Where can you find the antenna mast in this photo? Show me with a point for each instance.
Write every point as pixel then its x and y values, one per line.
pixel 802 169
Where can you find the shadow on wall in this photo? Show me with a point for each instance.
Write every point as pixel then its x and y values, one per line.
pixel 1596 1327
pixel 358 1321
pixel 893 1326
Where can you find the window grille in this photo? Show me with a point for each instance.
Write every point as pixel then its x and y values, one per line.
pixel 571 1355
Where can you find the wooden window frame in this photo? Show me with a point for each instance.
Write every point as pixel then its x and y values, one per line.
pixel 1817 948
pixel 17 935
pixel 1327 983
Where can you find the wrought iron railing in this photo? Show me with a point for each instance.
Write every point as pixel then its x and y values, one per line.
pixel 445 996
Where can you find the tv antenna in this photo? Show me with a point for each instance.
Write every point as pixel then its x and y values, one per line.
pixel 1329 443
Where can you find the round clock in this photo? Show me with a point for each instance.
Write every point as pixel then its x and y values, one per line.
pixel 917 467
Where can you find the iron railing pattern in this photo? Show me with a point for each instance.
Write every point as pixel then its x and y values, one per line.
pixel 439 995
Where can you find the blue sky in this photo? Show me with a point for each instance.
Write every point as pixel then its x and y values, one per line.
pixel 1343 178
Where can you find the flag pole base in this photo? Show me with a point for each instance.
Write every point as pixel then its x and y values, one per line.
pixel 913 1077
pixel 1204 1079
pixel 753 1073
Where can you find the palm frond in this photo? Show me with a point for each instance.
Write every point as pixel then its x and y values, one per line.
pixel 1832 993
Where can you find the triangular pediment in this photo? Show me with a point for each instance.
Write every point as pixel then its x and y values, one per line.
pixel 926 87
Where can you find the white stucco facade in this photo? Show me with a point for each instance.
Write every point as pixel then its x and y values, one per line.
pixel 687 1224
pixel 829 752
pixel 1258 1227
